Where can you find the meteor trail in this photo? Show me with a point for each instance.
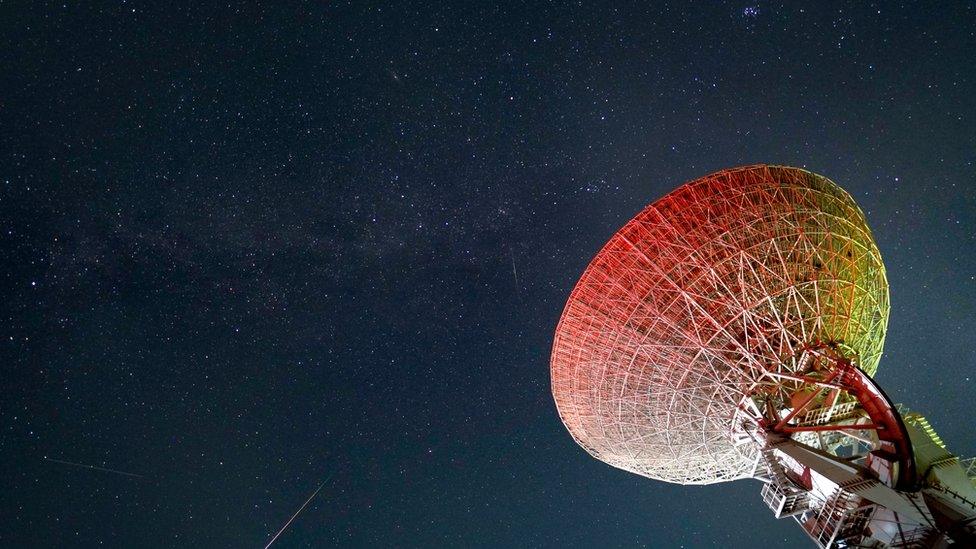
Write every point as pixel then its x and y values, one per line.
pixel 95 467
pixel 518 287
pixel 300 509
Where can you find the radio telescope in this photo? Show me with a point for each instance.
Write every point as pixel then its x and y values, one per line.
pixel 729 331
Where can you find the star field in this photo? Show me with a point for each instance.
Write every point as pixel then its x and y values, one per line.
pixel 248 249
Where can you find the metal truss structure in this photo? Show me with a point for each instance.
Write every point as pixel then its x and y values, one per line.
pixel 730 331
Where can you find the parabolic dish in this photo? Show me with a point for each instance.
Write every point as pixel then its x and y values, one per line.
pixel 675 320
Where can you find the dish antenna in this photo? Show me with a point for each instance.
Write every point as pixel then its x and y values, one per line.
pixel 730 330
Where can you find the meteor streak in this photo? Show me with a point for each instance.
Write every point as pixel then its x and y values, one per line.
pixel 518 287
pixel 300 509
pixel 94 467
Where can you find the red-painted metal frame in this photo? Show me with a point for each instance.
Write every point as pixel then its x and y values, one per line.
pixel 885 419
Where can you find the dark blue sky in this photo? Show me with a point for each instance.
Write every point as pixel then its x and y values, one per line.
pixel 250 249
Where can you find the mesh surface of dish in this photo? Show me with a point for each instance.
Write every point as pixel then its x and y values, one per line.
pixel 676 318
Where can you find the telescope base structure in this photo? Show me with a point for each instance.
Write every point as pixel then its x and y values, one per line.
pixel 839 504
pixel 856 471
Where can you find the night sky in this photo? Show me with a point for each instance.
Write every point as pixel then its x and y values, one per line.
pixel 250 250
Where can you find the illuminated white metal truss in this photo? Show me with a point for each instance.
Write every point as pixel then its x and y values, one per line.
pixel 694 307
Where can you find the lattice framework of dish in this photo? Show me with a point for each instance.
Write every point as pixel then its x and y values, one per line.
pixel 686 309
